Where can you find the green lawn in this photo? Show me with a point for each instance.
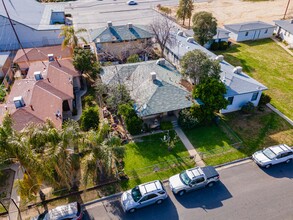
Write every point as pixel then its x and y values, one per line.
pixel 214 145
pixel 144 156
pixel 268 63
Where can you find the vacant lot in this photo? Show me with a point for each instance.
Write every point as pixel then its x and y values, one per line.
pixel 149 159
pixel 268 63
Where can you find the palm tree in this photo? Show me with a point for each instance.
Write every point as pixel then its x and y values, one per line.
pixel 70 36
pixel 185 9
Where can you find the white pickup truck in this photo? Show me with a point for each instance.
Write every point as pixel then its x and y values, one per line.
pixel 192 179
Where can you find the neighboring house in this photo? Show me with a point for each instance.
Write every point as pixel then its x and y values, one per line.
pixel 284 30
pixel 155 86
pixel 222 35
pixel 250 30
pixel 241 88
pixel 6 74
pixel 119 42
pixel 36 24
pixel 40 54
pixel 47 92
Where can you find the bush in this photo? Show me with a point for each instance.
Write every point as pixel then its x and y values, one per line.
pixel 223 45
pixel 215 46
pixel 89 99
pixel 90 118
pixel 248 108
pixel 134 58
pixel 166 125
pixel 264 99
pixel 186 120
pixel 133 122
pixel 2 93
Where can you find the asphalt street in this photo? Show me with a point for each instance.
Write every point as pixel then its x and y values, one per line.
pixel 245 192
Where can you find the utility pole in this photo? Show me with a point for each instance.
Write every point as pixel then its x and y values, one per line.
pixel 8 16
pixel 286 9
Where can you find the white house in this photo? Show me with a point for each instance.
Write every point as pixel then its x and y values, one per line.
pixel 241 88
pixel 222 35
pixel 250 30
pixel 36 24
pixel 284 30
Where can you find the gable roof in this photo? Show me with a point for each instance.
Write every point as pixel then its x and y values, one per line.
pixel 119 33
pixel 221 33
pixel 21 118
pixel 285 24
pixel 163 94
pixel 247 26
pixel 32 13
pixel 236 84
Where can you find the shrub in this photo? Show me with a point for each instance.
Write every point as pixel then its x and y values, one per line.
pixel 215 46
pixel 89 99
pixel 187 120
pixel 223 45
pixel 264 99
pixel 133 122
pixel 2 93
pixel 134 58
pixel 90 118
pixel 166 125
pixel 248 108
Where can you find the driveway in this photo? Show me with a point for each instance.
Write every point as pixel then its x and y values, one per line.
pixel 245 192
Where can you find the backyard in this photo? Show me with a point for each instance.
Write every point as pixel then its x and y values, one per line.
pixel 268 63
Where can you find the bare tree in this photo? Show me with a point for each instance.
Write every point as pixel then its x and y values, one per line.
pixel 162 30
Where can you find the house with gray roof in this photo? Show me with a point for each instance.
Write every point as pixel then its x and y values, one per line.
pixel 36 24
pixel 121 41
pixel 284 30
pixel 155 86
pixel 250 30
pixel 241 88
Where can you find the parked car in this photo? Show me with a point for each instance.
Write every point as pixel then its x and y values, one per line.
pixel 143 195
pixel 131 2
pixel 193 179
pixel 71 211
pixel 273 155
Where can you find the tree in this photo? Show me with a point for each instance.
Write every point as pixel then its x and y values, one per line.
pixel 133 59
pixel 132 121
pixel 204 27
pixel 185 9
pixel 162 30
pixel 197 65
pixel 2 93
pixel 70 36
pixel 211 92
pixel 90 118
pixel 117 95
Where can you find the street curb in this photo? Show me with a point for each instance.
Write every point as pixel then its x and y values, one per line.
pixel 232 162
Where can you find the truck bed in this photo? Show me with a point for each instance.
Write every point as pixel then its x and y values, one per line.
pixel 210 172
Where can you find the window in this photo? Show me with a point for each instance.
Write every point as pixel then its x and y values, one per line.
pixel 254 96
pixel 230 100
pixel 151 196
pixel 246 34
pixel 199 180
pixel 266 31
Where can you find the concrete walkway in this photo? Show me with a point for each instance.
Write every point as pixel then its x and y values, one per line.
pixel 280 114
pixel 79 102
pixel 189 147
pixel 282 45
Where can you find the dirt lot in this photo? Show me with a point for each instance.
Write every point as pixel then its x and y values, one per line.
pixel 234 11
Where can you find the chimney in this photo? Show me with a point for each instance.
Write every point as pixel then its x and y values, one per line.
pixel 190 39
pixel 161 61
pixel 18 102
pixel 180 33
pixel 154 76
pixel 51 57
pixel 129 25
pixel 57 62
pixel 38 76
pixel 32 108
pixel 109 23
pixel 237 70
pixel 220 58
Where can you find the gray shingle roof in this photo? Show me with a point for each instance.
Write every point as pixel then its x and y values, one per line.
pixel 119 33
pixel 151 97
pixel 235 83
pixel 221 33
pixel 286 25
pixel 247 26
pixel 31 13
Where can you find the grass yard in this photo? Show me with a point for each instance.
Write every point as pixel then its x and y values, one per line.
pixel 268 63
pixel 214 145
pixel 150 153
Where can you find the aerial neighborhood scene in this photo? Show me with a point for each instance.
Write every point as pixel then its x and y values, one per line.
pixel 174 109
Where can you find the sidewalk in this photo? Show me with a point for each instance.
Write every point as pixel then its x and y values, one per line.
pixel 189 147
pixel 79 102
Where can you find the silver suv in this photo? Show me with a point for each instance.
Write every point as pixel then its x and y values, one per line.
pixel 143 195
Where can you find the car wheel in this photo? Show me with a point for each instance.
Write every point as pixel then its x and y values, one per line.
pixel 181 193
pixel 132 210
pixel 211 184
pixel 160 201
pixel 288 161
pixel 268 166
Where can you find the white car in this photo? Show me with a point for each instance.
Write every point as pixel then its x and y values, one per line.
pixel 273 155
pixel 143 195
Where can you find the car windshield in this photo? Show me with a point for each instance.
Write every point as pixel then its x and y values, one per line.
pixel 269 153
pixel 184 178
pixel 136 195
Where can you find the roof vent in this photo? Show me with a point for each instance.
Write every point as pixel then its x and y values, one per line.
pixel 109 23
pixel 237 70
pixel 160 61
pixel 51 57
pixel 154 76
pixel 38 76
pixel 18 102
pixel 190 39
pixel 180 33
pixel 129 25
pixel 220 58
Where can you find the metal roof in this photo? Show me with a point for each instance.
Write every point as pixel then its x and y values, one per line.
pixel 248 26
pixel 285 24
